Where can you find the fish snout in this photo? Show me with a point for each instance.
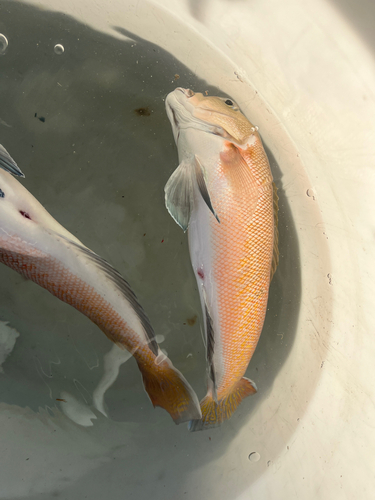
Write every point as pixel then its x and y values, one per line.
pixel 187 92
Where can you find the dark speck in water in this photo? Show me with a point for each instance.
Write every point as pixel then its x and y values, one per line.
pixel 143 111
pixel 176 76
pixel 192 321
pixel 41 118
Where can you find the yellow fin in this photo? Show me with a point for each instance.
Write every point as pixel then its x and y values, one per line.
pixel 213 414
pixel 168 388
pixel 275 257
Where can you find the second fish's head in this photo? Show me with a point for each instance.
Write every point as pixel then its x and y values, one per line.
pixel 215 115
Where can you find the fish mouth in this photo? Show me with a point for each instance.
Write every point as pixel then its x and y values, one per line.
pixel 187 92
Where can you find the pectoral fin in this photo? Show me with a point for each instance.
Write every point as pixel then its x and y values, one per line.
pixel 179 191
pixel 201 181
pixel 8 164
pixel 179 194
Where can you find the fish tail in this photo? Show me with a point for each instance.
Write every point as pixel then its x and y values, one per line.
pixel 168 388
pixel 216 412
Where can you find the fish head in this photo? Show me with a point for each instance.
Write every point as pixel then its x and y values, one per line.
pixel 22 214
pixel 220 116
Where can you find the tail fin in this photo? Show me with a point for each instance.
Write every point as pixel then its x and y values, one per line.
pixel 168 388
pixel 214 413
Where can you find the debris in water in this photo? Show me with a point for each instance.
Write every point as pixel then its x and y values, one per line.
pixel 143 111
pixel 192 321
pixel 41 118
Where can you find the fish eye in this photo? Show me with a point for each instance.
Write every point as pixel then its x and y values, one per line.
pixel 231 104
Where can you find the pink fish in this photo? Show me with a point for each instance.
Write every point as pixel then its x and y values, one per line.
pixel 223 192
pixel 35 245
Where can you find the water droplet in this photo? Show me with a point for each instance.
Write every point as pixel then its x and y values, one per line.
pixel 254 457
pixel 59 49
pixel 3 44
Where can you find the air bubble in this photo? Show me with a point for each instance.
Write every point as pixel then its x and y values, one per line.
pixel 3 44
pixel 59 49
pixel 254 457
pixel 310 193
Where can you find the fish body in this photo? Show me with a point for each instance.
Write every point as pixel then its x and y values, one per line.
pixel 35 245
pixel 223 193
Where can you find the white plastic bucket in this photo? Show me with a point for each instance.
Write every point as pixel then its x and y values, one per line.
pixel 305 74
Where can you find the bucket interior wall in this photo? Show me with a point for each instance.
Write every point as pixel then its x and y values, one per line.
pixel 82 111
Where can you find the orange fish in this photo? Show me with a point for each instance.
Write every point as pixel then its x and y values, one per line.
pixel 35 245
pixel 223 192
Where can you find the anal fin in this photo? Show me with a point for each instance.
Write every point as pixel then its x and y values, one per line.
pixel 210 340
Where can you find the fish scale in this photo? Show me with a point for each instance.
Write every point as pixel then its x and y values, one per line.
pixel 242 283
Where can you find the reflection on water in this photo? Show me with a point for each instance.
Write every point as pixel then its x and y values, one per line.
pixel 111 367
pixel 8 337
pixel 87 126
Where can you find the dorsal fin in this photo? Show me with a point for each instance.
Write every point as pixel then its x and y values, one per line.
pixel 275 256
pixel 123 287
